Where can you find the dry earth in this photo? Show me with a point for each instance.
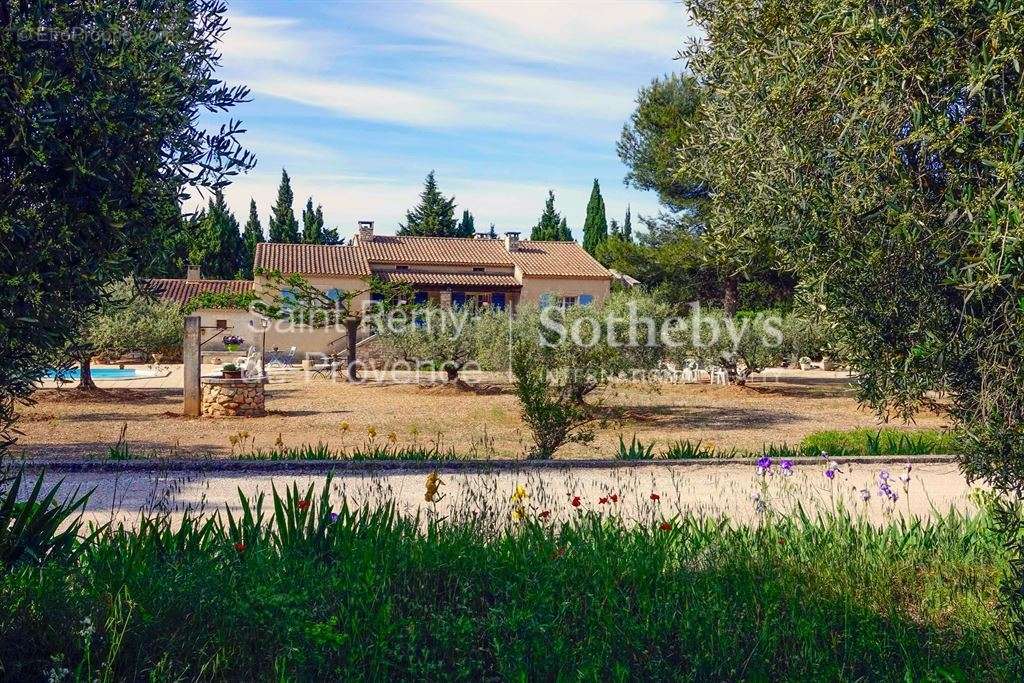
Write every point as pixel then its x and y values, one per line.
pixel 783 407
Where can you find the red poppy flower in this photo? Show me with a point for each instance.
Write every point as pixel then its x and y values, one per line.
pixel 665 526
pixel 240 547
pixel 303 504
pixel 559 552
pixel 545 514
pixel 782 541
pixel 655 497
pixel 615 498
pixel 576 501
pixel 603 501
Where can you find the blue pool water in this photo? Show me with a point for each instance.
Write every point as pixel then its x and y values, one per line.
pixel 97 373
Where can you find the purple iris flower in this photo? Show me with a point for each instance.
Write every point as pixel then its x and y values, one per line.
pixel 787 467
pixel 830 473
pixel 763 464
pixel 334 517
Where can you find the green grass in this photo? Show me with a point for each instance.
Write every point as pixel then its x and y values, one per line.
pixel 378 595
pixel 880 442
pixel 368 451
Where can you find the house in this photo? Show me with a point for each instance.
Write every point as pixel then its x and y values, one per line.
pixel 448 271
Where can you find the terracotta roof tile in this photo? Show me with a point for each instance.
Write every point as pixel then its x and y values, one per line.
pixel 537 259
pixel 181 291
pixel 435 250
pixel 446 279
pixel 311 259
pixel 557 259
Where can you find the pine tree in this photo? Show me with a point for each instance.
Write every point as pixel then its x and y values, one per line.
pixel 548 227
pixel 313 224
pixel 434 216
pixel 595 227
pixel 627 227
pixel 613 229
pixel 467 227
pixel 493 232
pixel 251 236
pixel 283 226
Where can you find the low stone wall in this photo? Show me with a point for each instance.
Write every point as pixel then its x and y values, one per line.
pixel 233 398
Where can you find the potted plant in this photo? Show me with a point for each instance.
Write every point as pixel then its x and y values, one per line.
pixel 231 342
pixel 231 371
pixel 805 363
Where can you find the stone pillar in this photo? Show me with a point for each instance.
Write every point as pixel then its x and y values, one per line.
pixel 446 298
pixel 190 360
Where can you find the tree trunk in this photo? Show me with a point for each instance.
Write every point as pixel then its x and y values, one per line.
pixel 351 327
pixel 85 372
pixel 452 370
pixel 731 296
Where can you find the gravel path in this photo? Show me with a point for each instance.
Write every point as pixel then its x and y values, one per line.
pixel 710 490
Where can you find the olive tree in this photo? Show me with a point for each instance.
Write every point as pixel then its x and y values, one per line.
pixel 879 145
pixel 100 106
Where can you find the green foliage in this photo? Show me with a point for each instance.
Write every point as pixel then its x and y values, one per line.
pixel 135 322
pixel 240 300
pixel 215 243
pixel 551 226
pixel 634 451
pixel 595 227
pixel 433 216
pixel 313 224
pixel 551 400
pixel 689 450
pixel 35 527
pixel 251 236
pixel 369 451
pixel 880 442
pixel 290 586
pixel 98 136
pixel 283 226
pixel 467 226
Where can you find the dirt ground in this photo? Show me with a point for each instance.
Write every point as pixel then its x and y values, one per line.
pixel 785 407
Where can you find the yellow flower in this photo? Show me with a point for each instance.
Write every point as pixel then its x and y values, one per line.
pixel 518 513
pixel 520 493
pixel 433 484
pixel 344 426
pixel 372 431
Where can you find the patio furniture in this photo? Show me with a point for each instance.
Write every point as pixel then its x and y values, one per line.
pixel 281 358
pixel 718 375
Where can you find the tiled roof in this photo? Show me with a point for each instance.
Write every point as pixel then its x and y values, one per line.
pixel 557 259
pixel 182 291
pixel 435 250
pixel 311 259
pixel 536 259
pixel 444 279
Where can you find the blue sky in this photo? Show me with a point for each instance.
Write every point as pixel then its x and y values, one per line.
pixel 504 100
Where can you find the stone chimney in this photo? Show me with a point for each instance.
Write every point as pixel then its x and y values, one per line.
pixel 193 273
pixel 365 231
pixel 512 241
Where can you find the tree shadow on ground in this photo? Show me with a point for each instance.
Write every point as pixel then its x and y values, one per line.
pixel 689 417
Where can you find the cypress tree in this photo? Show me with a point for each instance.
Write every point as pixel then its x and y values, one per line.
pixel 467 227
pixel 493 233
pixel 434 216
pixel 613 228
pixel 283 226
pixel 548 227
pixel 215 242
pixel 627 227
pixel 313 224
pixel 595 227
pixel 251 236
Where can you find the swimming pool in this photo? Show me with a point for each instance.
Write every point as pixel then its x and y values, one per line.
pixel 103 373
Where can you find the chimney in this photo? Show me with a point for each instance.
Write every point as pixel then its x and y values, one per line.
pixel 512 241
pixel 365 231
pixel 193 273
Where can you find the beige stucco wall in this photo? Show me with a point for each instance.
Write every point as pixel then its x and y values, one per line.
pixel 534 287
pixel 344 283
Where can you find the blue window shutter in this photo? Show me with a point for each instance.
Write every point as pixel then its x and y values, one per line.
pixel 586 299
pixel 458 298
pixel 498 300
pixel 420 298
pixel 545 300
pixel 334 294
pixel 376 296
